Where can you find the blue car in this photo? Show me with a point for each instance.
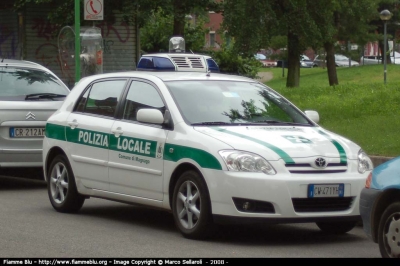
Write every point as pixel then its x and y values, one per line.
pixel 380 207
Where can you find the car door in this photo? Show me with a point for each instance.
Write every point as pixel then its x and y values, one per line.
pixel 136 149
pixel 88 129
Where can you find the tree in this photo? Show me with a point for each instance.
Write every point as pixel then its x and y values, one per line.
pixel 154 33
pixel 306 23
pixel 248 22
pixel 63 12
pixel 253 23
pixel 143 12
pixel 341 20
pixel 301 31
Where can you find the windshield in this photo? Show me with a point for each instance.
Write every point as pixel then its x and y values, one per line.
pixel 16 82
pixel 232 102
pixel 340 57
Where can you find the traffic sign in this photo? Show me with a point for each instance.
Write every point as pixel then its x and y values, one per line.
pixel 93 9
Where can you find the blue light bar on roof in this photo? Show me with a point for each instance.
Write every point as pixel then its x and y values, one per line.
pixel 155 63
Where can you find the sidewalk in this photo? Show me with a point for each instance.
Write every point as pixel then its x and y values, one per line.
pixel 264 76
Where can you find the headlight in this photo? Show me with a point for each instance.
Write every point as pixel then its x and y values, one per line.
pixel 364 162
pixel 241 161
pixel 303 64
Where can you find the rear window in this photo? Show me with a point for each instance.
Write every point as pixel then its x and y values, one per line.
pixel 19 82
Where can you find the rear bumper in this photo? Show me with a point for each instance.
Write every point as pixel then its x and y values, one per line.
pixel 21 158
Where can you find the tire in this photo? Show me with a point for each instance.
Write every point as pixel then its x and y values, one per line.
pixel 389 232
pixel 191 206
pixel 61 186
pixel 336 227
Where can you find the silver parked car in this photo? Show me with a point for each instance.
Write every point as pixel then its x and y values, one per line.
pixel 306 62
pixel 29 94
pixel 340 61
pixel 377 59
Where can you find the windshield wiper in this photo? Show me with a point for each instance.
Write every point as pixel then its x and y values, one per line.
pixel 44 96
pixel 210 123
pixel 278 122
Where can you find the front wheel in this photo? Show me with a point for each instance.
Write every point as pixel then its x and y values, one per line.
pixel 61 186
pixel 191 206
pixel 337 227
pixel 389 232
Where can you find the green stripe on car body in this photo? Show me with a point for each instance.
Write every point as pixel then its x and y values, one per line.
pixel 342 152
pixel 54 131
pixel 281 153
pixel 133 145
pixel 87 137
pixel 109 141
pixel 126 144
pixel 175 153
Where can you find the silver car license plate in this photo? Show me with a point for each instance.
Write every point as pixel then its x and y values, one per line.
pixel 325 190
pixel 27 132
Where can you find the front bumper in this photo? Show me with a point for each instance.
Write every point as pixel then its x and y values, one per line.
pixel 367 200
pixel 287 194
pixel 224 219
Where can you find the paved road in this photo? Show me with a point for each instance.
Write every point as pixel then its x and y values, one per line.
pixel 30 228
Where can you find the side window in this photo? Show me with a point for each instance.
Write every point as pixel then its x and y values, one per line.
pixel 82 102
pixel 102 98
pixel 141 95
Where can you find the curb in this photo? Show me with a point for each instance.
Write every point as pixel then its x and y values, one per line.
pixel 377 160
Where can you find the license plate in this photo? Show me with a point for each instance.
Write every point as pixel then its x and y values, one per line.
pixel 26 132
pixel 325 190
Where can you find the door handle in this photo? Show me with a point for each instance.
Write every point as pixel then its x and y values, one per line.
pixel 117 132
pixel 73 124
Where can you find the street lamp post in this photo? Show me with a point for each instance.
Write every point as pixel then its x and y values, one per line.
pixel 189 19
pixel 385 15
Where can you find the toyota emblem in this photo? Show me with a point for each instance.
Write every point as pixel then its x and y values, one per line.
pixel 320 162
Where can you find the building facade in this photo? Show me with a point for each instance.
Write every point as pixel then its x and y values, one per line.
pixel 29 35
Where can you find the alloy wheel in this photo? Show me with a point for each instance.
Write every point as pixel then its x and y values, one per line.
pixel 59 183
pixel 188 204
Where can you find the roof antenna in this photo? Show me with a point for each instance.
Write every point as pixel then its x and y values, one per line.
pixel 191 51
pixel 2 60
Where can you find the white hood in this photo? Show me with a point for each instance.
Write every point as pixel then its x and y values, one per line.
pixel 284 142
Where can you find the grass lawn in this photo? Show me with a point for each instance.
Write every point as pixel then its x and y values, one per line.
pixel 361 108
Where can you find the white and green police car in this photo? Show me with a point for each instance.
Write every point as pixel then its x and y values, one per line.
pixel 211 148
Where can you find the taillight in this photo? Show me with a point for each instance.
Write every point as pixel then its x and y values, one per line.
pixel 368 181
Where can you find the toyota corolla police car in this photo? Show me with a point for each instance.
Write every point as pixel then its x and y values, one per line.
pixel 211 148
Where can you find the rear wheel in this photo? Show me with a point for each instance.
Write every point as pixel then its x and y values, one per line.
pixel 389 232
pixel 191 206
pixel 337 227
pixel 61 186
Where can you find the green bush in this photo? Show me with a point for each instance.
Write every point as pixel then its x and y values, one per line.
pixel 230 62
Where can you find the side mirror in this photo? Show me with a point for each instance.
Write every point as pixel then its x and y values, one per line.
pixel 313 115
pixel 152 116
